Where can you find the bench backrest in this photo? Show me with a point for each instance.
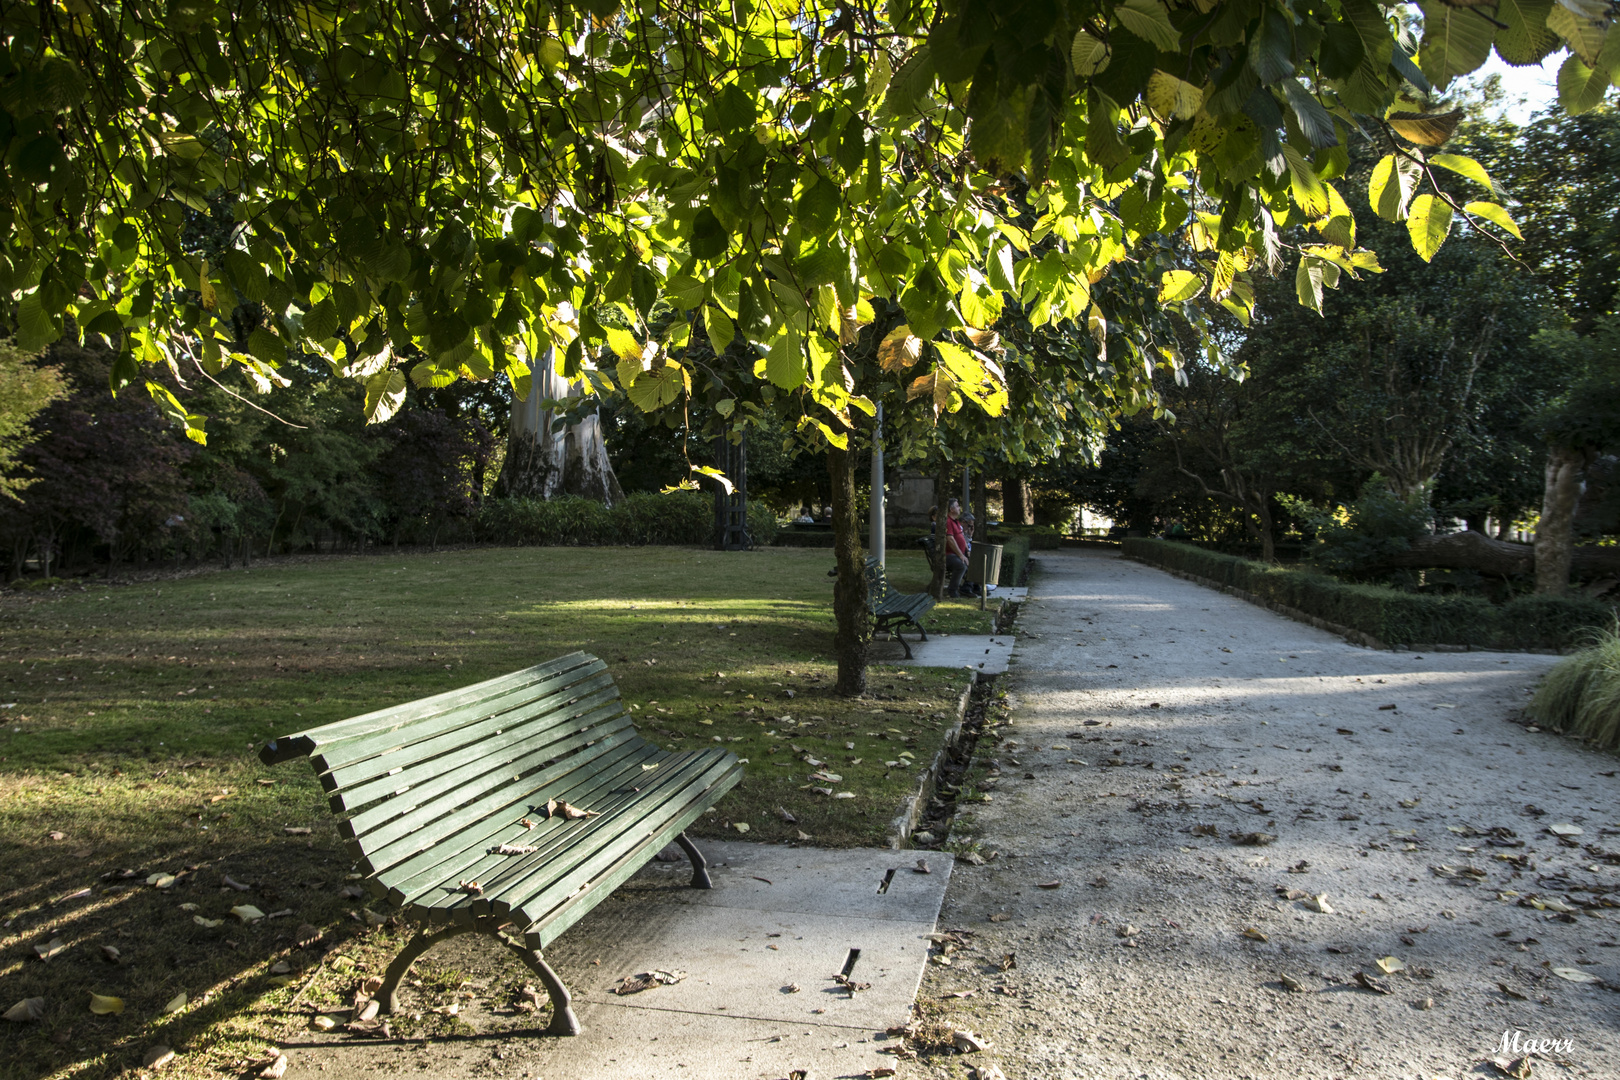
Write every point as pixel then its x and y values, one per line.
pixel 414 774
pixel 877 582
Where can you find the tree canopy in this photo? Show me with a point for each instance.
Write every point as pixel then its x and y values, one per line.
pixel 431 190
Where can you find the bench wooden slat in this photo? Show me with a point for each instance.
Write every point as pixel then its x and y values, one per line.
pixel 542 932
pixel 572 845
pixel 403 837
pixel 307 742
pixel 353 789
pixel 375 755
pixel 644 819
pixel 606 793
pixel 447 790
pixel 407 881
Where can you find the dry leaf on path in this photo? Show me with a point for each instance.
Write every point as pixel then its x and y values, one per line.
pixel 1575 975
pixel 1254 934
pixel 1292 983
pixel 1510 992
pixel 1389 965
pixel 988 1072
pixel 1049 885
pixel 1564 828
pixel 247 913
pixel 803 835
pixel 207 924
pixel 972 858
pixel 104 1005
pixel 176 1003
pixel 921 867
pixel 156 1057
pixel 1367 982
pixel 1253 839
pixel 783 813
pixel 51 948
pixel 968 1042
pixel 568 812
pixel 295 830
pixel 26 1011
pixel 513 849
pixel 1516 1069
pixel 646 980
pixel 1319 903
pixel 1000 916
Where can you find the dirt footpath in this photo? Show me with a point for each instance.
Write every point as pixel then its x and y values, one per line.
pixel 1188 778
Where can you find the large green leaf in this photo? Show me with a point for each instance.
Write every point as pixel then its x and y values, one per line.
pixel 1495 214
pixel 1580 88
pixel 1464 166
pixel 1150 21
pixel 1456 40
pixel 385 393
pixel 35 330
pixel 1176 286
pixel 1525 39
pixel 1428 223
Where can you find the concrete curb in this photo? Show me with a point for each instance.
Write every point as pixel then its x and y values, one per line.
pixel 912 807
pixel 1350 634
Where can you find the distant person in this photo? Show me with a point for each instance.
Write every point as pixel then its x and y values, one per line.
pixel 1175 531
pixel 971 588
pixel 955 549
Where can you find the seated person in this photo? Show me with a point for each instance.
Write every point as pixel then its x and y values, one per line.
pixel 955 549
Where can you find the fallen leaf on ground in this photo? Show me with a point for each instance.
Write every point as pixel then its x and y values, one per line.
pixel 161 881
pixel 803 835
pixel 1319 903
pixel 111 953
pixel 1254 934
pixel 972 858
pixel 988 1072
pixel 1566 829
pixel 1126 931
pixel 513 849
pixel 157 1057
pixel 323 1023
pixel 26 1010
pixel 1389 965
pixel 646 980
pixel 792 988
pixel 175 1004
pixel 1049 885
pixel 1575 975
pixel 921 867
pixel 1292 983
pixel 1423 1004
pixel 1510 992
pixel 247 913
pixel 207 924
pixel 1008 962
pixel 377 1029
pixel 1253 839
pixel 50 948
pixel 103 1005
pixel 1205 830
pixel 741 826
pixel 1000 916
pixel 295 830
pixel 850 984
pixel 1367 982
pixel 967 1041
pixel 471 888
pixel 1517 1069
pixel 783 813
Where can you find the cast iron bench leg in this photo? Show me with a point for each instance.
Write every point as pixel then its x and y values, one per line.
pixel 901 638
pixel 700 865
pixel 563 1020
pixel 424 940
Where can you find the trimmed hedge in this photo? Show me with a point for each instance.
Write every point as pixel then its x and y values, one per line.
pixel 681 517
pixel 1391 616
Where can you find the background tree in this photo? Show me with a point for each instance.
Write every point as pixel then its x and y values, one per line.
pixel 26 387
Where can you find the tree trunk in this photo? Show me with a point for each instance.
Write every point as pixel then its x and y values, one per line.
pixel 1467 551
pixel 850 612
pixel 546 457
pixel 1268 534
pixel 1016 505
pixel 1555 534
pixel 981 508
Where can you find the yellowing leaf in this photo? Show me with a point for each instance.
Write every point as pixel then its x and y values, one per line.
pixel 1389 965
pixel 1309 193
pixel 899 349
pixel 247 913
pixel 385 393
pixel 624 345
pixel 1425 129
pixel 1464 166
pixel 103 1006
pixel 937 386
pixel 719 327
pixel 1171 97
pixel 1575 975
pixel 1390 189
pixel 1178 285
pixel 1495 214
pixel 1429 222
pixel 176 1003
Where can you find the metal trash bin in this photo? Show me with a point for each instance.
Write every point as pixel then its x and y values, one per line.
pixel 984 567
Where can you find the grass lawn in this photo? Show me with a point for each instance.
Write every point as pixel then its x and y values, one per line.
pixel 134 714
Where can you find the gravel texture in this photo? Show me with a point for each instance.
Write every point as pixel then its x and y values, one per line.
pixel 1155 724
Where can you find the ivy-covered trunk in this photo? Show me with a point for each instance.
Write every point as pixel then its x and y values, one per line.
pixel 853 618
pixel 1555 534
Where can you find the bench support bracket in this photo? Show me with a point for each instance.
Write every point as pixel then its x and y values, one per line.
pixel 700 865
pixel 563 1020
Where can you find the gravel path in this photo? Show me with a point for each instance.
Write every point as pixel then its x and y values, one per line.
pixel 1152 720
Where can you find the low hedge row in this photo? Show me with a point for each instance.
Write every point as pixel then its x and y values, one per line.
pixel 1391 616
pixel 681 517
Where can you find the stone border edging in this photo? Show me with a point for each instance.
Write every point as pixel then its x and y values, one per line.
pixel 912 807
pixel 1350 634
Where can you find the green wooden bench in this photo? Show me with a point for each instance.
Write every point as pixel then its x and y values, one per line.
pixel 890 609
pixel 434 789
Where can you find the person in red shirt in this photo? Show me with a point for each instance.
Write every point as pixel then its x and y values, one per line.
pixel 955 549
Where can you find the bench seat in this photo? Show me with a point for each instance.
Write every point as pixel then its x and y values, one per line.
pixel 456 807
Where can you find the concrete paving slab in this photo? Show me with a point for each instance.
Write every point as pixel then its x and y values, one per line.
pixel 776 917
pixel 986 655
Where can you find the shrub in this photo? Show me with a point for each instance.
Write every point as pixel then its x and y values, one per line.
pixel 1581 695
pixel 1378 524
pixel 1392 616
pixel 681 517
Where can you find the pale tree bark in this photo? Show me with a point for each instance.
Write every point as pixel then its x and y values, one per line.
pixel 851 614
pixel 1555 534
pixel 547 457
